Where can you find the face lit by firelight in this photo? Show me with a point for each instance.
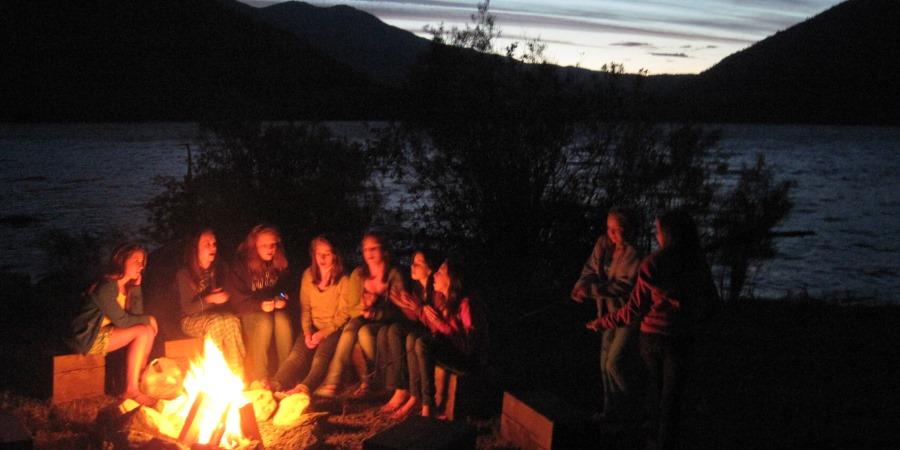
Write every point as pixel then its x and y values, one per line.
pixel 266 245
pixel 442 279
pixel 206 250
pixel 614 230
pixel 134 265
pixel 324 256
pixel 419 270
pixel 372 251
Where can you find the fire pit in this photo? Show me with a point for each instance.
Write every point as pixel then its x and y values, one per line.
pixel 209 406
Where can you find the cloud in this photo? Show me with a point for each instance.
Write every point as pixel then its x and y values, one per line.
pixel 631 44
pixel 670 55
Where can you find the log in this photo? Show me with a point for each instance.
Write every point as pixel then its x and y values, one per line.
pixel 191 429
pixel 539 420
pixel 78 376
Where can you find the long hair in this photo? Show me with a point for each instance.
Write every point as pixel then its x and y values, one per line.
pixel 115 267
pixel 248 255
pixel 337 270
pixel 433 260
pixel 457 291
pixel 385 254
pixel 680 229
pixel 191 259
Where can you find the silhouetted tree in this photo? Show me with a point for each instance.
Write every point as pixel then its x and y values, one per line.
pixel 297 176
pixel 745 220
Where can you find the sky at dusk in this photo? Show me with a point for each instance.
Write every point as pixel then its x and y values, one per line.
pixel 662 36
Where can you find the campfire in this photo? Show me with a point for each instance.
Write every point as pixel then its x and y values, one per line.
pixel 208 405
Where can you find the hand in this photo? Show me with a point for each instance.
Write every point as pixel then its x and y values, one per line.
pixel 267 306
pixel 317 337
pixel 216 297
pixel 310 341
pixel 279 303
pixel 579 293
pixel 594 325
pixel 367 299
pixel 137 281
pixel 405 301
pixel 368 313
pixel 431 314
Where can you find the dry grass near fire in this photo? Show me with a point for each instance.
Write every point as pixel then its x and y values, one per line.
pixel 338 424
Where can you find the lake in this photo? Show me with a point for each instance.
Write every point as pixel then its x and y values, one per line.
pixel 92 176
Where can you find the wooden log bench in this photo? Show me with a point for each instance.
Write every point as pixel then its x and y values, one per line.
pixel 466 393
pixel 539 420
pixel 78 376
pixel 423 433
pixel 184 350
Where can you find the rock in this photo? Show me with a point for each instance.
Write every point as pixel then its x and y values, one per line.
pixel 263 403
pixel 162 379
pixel 290 410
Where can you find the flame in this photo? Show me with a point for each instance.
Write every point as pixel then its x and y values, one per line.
pixel 211 375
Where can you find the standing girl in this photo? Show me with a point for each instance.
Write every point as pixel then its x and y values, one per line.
pixel 674 292
pixel 607 277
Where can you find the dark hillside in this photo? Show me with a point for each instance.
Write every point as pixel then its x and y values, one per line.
pixel 164 60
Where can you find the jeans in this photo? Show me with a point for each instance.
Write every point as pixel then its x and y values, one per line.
pixel 619 372
pixel 259 330
pixel 343 351
pixel 391 354
pixel 421 366
pixel 668 359
pixel 310 364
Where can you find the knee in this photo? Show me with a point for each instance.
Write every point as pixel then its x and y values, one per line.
pixel 231 321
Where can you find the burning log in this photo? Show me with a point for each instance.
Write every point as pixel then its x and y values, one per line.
pixel 249 425
pixel 191 429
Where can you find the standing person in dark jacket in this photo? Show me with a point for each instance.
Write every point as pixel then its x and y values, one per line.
pixel 257 287
pixel 674 292
pixel 607 277
pixel 204 302
pixel 113 317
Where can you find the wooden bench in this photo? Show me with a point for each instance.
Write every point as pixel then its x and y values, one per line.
pixel 465 394
pixel 540 421
pixel 184 350
pixel 78 376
